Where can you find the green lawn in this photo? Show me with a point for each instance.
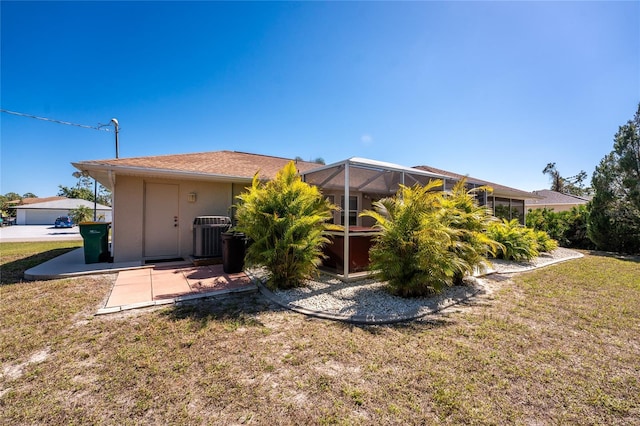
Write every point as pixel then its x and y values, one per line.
pixel 560 345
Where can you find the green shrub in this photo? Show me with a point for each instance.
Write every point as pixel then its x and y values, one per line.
pixel 568 228
pixel 81 214
pixel 428 239
pixel 517 242
pixel 285 218
pixel 545 243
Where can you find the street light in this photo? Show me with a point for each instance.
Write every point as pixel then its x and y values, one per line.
pixel 116 125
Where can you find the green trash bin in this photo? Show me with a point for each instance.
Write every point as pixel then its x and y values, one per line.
pixel 96 241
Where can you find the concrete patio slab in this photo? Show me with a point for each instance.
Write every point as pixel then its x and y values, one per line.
pixel 138 285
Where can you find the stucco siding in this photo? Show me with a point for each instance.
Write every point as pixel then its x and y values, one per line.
pixel 211 199
pixel 128 199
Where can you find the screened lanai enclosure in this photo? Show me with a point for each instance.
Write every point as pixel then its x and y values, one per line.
pixel 353 185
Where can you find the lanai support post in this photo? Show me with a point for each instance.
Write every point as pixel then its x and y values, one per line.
pixel 346 222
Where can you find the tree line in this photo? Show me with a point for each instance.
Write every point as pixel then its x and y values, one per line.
pixel 611 219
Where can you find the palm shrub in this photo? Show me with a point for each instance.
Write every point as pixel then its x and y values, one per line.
pixel 398 251
pixel 461 211
pixel 428 239
pixel 544 242
pixel 81 214
pixel 518 242
pixel 285 218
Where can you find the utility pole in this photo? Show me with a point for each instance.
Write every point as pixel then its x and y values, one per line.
pixel 116 125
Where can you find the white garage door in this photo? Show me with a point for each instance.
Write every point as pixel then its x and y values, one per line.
pixel 43 217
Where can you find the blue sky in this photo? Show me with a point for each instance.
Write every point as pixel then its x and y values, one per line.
pixel 495 90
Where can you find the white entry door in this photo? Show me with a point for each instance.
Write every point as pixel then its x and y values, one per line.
pixel 161 231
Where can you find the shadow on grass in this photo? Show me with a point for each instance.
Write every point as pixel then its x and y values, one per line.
pixel 13 272
pixel 620 256
pixel 235 310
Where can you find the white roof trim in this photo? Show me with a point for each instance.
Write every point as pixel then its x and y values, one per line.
pixel 148 171
pixel 378 165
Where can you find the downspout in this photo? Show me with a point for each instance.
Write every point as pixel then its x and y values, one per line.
pixel 231 209
pixel 112 181
pixel 345 256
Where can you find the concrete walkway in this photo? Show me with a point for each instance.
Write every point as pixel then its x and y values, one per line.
pixel 139 286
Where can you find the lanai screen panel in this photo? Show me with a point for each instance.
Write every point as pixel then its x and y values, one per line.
pixel 367 176
pixel 358 175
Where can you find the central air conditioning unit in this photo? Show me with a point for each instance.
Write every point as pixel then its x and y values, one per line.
pixel 207 235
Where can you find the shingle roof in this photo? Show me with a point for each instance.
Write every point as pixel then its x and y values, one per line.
pixel 31 200
pixel 215 163
pixel 497 188
pixel 553 197
pixel 63 204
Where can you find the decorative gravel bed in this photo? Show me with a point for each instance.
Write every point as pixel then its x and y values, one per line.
pixel 367 301
pixel 558 255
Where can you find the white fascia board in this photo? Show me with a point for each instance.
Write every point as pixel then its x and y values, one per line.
pixel 376 165
pixel 172 174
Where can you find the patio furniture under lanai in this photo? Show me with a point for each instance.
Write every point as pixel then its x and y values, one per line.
pixel 360 181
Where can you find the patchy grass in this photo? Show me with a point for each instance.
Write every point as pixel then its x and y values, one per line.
pixel 16 258
pixel 557 345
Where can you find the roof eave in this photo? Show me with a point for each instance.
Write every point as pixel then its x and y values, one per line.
pixel 97 169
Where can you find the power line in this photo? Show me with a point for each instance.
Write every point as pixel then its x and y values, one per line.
pixel 102 127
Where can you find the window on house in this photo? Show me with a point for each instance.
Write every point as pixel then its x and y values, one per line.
pixel 352 212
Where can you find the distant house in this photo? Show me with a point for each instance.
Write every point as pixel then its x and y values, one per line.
pixel 44 211
pixel 556 201
pixel 156 199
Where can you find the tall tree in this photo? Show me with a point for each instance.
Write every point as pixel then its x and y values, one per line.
pixel 567 185
pixel 557 183
pixel 85 190
pixel 614 217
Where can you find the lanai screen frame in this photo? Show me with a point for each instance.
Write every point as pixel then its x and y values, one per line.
pixel 365 175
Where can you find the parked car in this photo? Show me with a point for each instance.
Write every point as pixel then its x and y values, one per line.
pixel 64 222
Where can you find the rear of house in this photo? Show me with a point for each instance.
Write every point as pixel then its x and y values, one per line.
pixel 157 198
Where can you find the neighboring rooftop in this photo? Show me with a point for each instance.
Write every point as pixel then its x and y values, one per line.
pixel 32 200
pixel 499 190
pixel 61 203
pixel 549 198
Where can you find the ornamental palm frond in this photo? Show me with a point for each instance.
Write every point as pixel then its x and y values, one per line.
pixel 285 219
pixel 461 211
pixel 516 241
pixel 429 239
